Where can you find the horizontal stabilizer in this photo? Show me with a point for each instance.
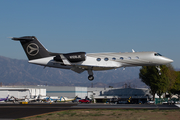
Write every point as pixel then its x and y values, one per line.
pixel 28 38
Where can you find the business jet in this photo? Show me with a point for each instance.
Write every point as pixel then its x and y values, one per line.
pixel 82 61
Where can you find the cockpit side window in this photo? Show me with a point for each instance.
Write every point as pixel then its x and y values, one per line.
pixel 157 54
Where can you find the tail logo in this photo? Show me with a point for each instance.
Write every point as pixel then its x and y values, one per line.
pixel 32 49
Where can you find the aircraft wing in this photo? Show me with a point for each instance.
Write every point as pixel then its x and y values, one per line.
pixel 74 68
pixel 77 69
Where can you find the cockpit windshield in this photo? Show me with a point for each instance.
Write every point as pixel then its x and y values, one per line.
pixel 157 54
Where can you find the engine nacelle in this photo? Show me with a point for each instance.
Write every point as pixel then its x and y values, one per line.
pixel 72 57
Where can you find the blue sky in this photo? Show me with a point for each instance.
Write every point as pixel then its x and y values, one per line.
pixel 92 26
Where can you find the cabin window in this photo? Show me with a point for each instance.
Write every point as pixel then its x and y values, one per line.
pixel 113 58
pixel 98 59
pixel 106 59
pixel 137 57
pixel 121 58
pixel 129 58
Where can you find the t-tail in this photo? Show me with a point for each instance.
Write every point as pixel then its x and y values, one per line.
pixel 32 47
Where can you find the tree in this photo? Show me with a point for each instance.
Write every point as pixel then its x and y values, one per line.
pixel 148 75
pixel 176 86
pixel 158 83
pixel 171 76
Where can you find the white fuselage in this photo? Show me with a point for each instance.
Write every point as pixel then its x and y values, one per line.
pixel 105 61
pixel 80 61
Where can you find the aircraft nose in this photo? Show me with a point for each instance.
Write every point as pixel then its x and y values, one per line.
pixel 170 60
pixel 161 60
pixel 167 60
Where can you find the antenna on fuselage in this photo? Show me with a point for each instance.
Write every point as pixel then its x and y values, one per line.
pixel 133 51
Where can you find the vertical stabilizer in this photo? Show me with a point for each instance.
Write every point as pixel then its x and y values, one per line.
pixel 32 47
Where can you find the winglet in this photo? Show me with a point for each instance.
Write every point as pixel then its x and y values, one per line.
pixel 65 60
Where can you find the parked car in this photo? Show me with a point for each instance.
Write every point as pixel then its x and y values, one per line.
pixel 84 101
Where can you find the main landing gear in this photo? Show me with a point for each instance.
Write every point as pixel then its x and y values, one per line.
pixel 90 77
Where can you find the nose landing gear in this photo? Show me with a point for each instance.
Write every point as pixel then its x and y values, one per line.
pixel 159 69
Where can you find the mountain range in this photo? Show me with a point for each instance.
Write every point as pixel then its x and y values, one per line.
pixel 20 72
